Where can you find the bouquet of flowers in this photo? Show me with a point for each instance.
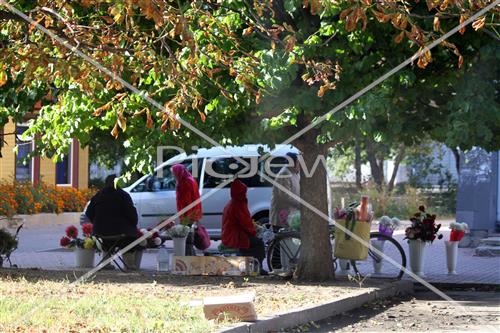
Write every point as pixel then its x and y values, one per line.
pixel 178 231
pixel 457 231
pixel 153 240
pixel 71 240
pixel 423 227
pixel 387 225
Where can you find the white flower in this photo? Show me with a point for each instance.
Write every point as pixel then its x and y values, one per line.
pixel 458 226
pixel 157 241
pixel 143 243
pixel 144 231
pixel 395 222
pixel 385 220
pixel 178 230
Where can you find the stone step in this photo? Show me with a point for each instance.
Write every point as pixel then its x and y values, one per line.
pixel 487 251
pixel 490 241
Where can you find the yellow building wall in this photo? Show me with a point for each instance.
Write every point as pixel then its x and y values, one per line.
pixel 47 171
pixel 47 165
pixel 8 160
pixel 83 168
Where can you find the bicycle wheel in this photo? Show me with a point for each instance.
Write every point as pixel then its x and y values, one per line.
pixel 283 252
pixel 386 266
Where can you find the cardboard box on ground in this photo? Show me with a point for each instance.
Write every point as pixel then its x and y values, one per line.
pixel 239 307
pixel 214 265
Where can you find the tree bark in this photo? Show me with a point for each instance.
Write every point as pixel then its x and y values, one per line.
pixel 377 171
pixel 397 162
pixel 357 163
pixel 315 262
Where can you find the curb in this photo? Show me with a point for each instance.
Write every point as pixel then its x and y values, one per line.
pixel 315 313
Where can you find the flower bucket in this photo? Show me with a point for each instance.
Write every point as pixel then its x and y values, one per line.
pixel 132 259
pixel 417 253
pixel 451 256
pixel 179 246
pixel 377 262
pixel 84 258
pixel 350 248
pixel 344 266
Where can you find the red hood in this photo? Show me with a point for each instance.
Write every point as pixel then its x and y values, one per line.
pixel 238 190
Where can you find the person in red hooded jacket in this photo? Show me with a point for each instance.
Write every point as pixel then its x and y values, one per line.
pixel 186 192
pixel 238 231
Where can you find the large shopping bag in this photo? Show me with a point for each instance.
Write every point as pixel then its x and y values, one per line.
pixel 347 247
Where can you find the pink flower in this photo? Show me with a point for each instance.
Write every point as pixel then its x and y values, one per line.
pixel 283 216
pixel 87 229
pixel 72 232
pixel 64 242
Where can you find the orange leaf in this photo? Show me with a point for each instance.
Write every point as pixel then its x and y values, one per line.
pixel 3 78
pixel 462 20
pixel 114 132
pixel 164 126
pixel 344 13
pixel 149 120
pixel 258 98
pixel 290 44
pixel 381 17
pixel 122 122
pixel 399 37
pixel 321 91
pixel 109 20
pixel 436 23
pixel 315 6
pixel 247 31
pixel 460 61
pixel 202 116
pixel 479 23
pixel 99 110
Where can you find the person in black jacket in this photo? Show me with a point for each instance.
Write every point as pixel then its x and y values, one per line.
pixel 112 212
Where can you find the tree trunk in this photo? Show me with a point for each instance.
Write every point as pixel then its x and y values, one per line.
pixel 377 172
pixel 456 153
pixel 315 262
pixel 357 163
pixel 397 162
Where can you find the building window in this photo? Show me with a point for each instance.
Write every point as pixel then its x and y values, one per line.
pixel 24 148
pixel 63 170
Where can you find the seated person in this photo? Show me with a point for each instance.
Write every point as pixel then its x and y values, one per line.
pixel 238 231
pixel 113 213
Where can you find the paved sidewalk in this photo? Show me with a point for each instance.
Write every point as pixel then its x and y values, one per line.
pixel 38 248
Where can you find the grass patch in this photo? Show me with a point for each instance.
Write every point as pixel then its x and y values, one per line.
pixel 95 307
pixel 142 302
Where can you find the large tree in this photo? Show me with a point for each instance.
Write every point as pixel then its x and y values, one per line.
pixel 240 70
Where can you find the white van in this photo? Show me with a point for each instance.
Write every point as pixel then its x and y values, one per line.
pixel 154 195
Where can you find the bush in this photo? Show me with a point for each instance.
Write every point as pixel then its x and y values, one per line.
pixel 401 203
pixel 8 204
pixel 24 198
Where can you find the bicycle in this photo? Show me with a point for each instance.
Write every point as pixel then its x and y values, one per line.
pixel 285 248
